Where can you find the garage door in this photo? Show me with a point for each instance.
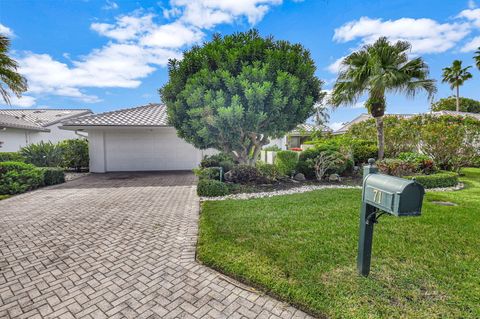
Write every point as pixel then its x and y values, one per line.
pixel 147 150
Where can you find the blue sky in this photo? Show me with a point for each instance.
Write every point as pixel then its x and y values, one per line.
pixel 106 55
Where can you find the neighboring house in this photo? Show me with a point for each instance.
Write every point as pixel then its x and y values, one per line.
pixel 135 139
pixel 21 127
pixel 363 117
pixel 297 137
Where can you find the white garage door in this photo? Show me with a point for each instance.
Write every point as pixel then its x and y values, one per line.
pixel 147 150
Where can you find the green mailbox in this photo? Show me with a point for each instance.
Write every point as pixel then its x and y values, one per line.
pixel 390 195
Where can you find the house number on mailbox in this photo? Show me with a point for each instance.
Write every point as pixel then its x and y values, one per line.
pixel 377 196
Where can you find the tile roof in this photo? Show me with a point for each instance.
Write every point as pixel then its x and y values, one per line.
pixel 44 117
pixel 363 117
pixel 455 113
pixel 147 115
pixel 18 122
pixel 308 128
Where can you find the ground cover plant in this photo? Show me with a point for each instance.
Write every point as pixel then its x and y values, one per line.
pixel 303 247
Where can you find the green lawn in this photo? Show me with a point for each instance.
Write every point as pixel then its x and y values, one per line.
pixel 302 248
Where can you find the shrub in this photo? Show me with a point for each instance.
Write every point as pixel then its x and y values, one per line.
pixel 43 154
pixel 361 150
pixel 243 174
pixel 212 173
pixel 269 171
pixel 306 160
pixel 440 179
pixel 218 160
pixel 210 188
pixel 450 104
pixel 286 162
pixel 74 153
pixel 11 157
pixel 424 163
pixel 18 177
pixel 52 175
pixel 324 162
pixel 396 167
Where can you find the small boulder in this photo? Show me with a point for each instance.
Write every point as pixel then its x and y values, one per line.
pixel 299 177
pixel 334 178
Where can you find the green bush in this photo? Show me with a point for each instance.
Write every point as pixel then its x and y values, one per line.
pixel 11 157
pixel 218 160
pixel 244 174
pixel 269 171
pixel 360 150
pixel 18 177
pixel 207 173
pixel 307 158
pixel 52 175
pixel 450 104
pixel 210 188
pixel 396 167
pixel 440 179
pixel 286 162
pixel 74 153
pixel 43 154
pixel 424 164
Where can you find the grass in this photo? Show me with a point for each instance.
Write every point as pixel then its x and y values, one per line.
pixel 4 196
pixel 302 248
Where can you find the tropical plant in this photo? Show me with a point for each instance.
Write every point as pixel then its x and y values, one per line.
pixel 237 91
pixel 43 154
pixel 456 75
pixel 378 69
pixel 476 57
pixel 9 77
pixel 74 153
pixel 450 104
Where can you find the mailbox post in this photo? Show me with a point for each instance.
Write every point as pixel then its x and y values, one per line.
pixel 392 195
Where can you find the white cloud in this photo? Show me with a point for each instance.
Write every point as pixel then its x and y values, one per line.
pixel 208 13
pixel 24 101
pixel 425 35
pixel 6 30
pixel 138 46
pixel 336 66
pixel 472 45
pixel 472 15
pixel 110 5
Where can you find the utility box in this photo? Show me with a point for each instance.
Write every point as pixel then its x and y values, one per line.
pixel 394 195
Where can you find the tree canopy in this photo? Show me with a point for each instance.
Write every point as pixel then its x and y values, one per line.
pixel 449 104
pixel 8 73
pixel 237 91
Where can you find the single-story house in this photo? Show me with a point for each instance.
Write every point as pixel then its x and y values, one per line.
pixel 135 139
pixel 21 127
pixel 298 136
pixel 364 117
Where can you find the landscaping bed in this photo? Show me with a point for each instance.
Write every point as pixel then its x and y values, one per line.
pixel 302 248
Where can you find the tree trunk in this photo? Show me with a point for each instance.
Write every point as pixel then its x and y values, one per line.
pixel 380 137
pixel 458 98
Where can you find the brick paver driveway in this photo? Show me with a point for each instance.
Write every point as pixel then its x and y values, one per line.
pixel 115 246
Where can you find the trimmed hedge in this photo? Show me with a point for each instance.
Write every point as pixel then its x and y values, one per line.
pixel 52 175
pixel 244 174
pixel 286 162
pixel 440 179
pixel 11 157
pixel 210 188
pixel 18 177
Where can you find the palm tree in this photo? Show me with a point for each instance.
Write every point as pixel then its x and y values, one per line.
pixel 378 69
pixel 455 75
pixel 476 57
pixel 8 73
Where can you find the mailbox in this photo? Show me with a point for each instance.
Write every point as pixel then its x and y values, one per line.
pixel 388 194
pixel 396 196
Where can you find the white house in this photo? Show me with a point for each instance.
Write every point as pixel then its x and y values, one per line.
pixel 21 127
pixel 135 139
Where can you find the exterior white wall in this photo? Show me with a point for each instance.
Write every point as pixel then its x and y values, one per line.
pixel 55 135
pixel 138 149
pixel 280 142
pixel 14 139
